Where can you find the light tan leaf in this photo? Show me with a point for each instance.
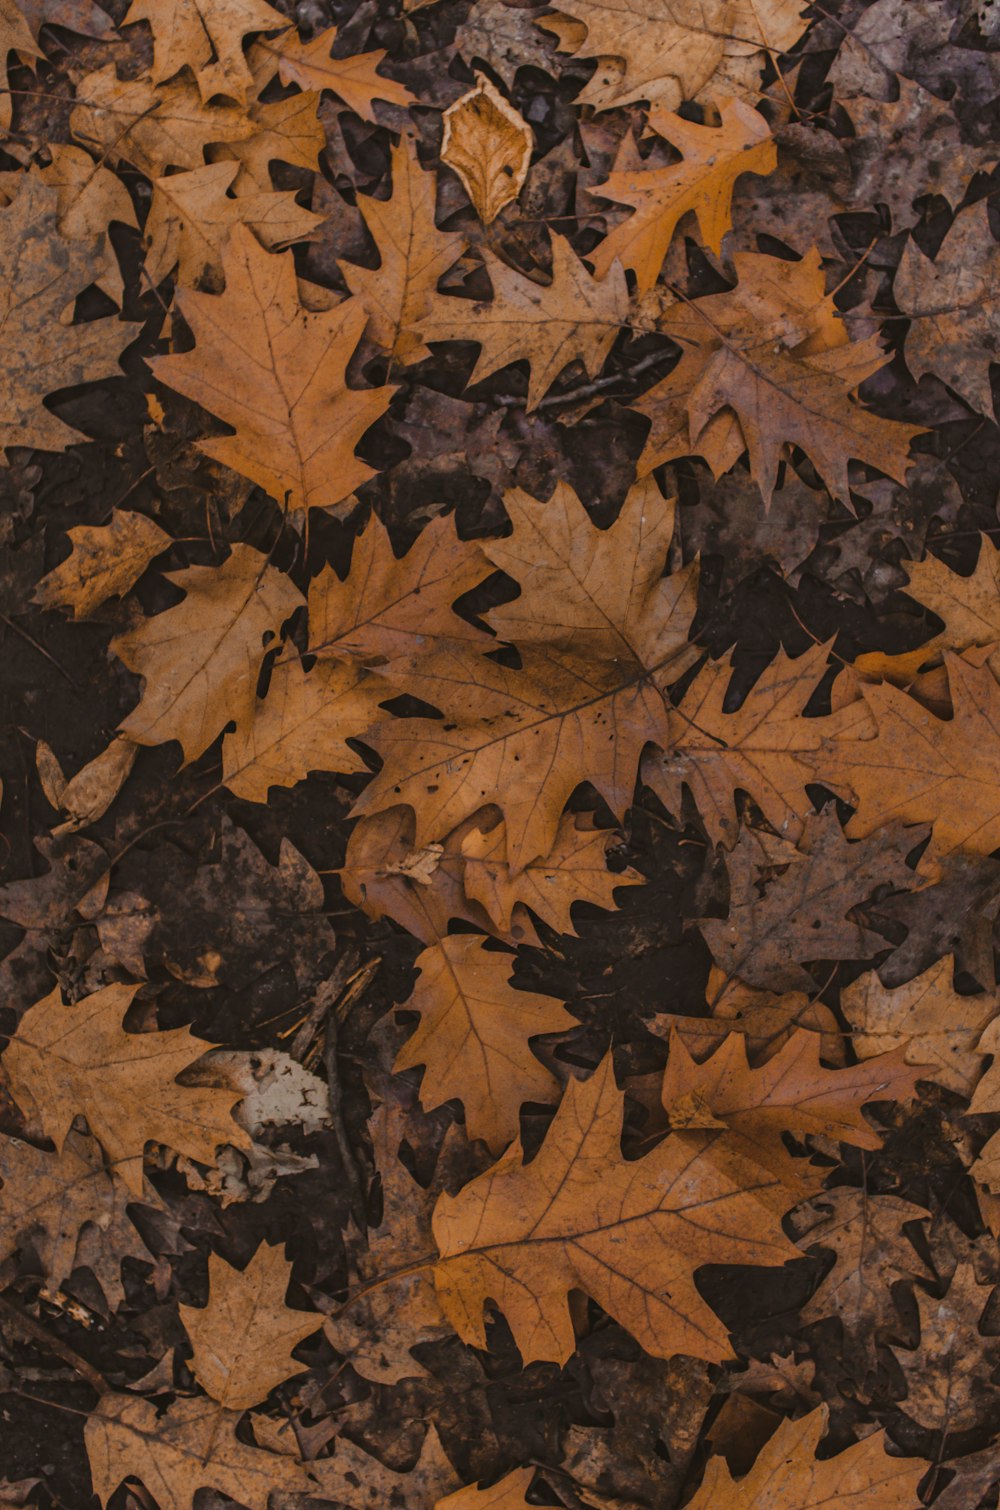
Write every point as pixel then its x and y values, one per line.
pixel 15 37
pixel 106 560
pixel 936 1027
pixel 191 216
pixel 572 318
pixel 89 794
pixel 205 36
pixel 629 1234
pixel 703 183
pixel 244 1338
pixel 489 146
pixel 473 1037
pixel 201 659
pixel 788 1473
pixel 276 372
pixel 66 1061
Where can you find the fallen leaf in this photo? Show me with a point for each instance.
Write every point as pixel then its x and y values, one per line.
pixel 244 1338
pixel 205 36
pixel 276 372
pixel 65 1061
pixel 629 1234
pixel 312 65
pixel 489 146
pixel 507 1493
pixel 949 1384
pixel 128 120
pixel 106 561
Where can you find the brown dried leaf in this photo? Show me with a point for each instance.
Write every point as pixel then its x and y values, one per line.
pixel 489 146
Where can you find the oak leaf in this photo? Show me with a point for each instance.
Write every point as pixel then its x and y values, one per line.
pixel 413 253
pixel 923 769
pixel 200 660
pixel 771 357
pixel 936 1028
pixel 599 632
pixel 42 274
pixel 954 328
pixel 871 1254
pixel 489 146
pixel 766 747
pixel 629 1234
pixel 190 1446
pixel 244 1337
pixel 287 131
pixel 473 1037
pixel 505 37
pixel 276 372
pixel 379 1327
pixel 15 37
pixel 767 1019
pixel 152 128
pixel 191 216
pixel 791 905
pixel 788 1473
pixel 106 560
pixel 205 36
pixel 949 1384
pixel 386 606
pixel 312 65
pixel 507 1493
pixel 66 1061
pixel 548 325
pixel 791 1093
pixel 703 183
pixel 986 1099
pixel 67 1208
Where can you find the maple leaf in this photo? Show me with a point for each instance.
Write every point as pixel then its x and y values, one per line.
pixel 190 1446
pixel 949 1384
pixel 765 747
pixel 43 272
pixel 548 325
pixel 791 1093
pixel 413 253
pixel 936 1028
pixel 69 1210
pixel 772 356
pixel 919 768
pixel 953 326
pixel 489 146
pixel 105 561
pixel 507 1493
pixel 200 660
pixel 629 1234
pixel 152 128
pixel 191 216
pixel 312 65
pixel 669 52
pixel 802 909
pixel 385 607
pixel 65 1061
pixel 599 632
pixel 276 372
pixel 703 183
pixel 205 36
pixel 244 1338
pixel 473 1037
pixel 787 1472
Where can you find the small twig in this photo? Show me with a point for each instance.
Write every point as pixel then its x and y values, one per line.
pixel 324 1000
pixel 53 1344
pixel 40 649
